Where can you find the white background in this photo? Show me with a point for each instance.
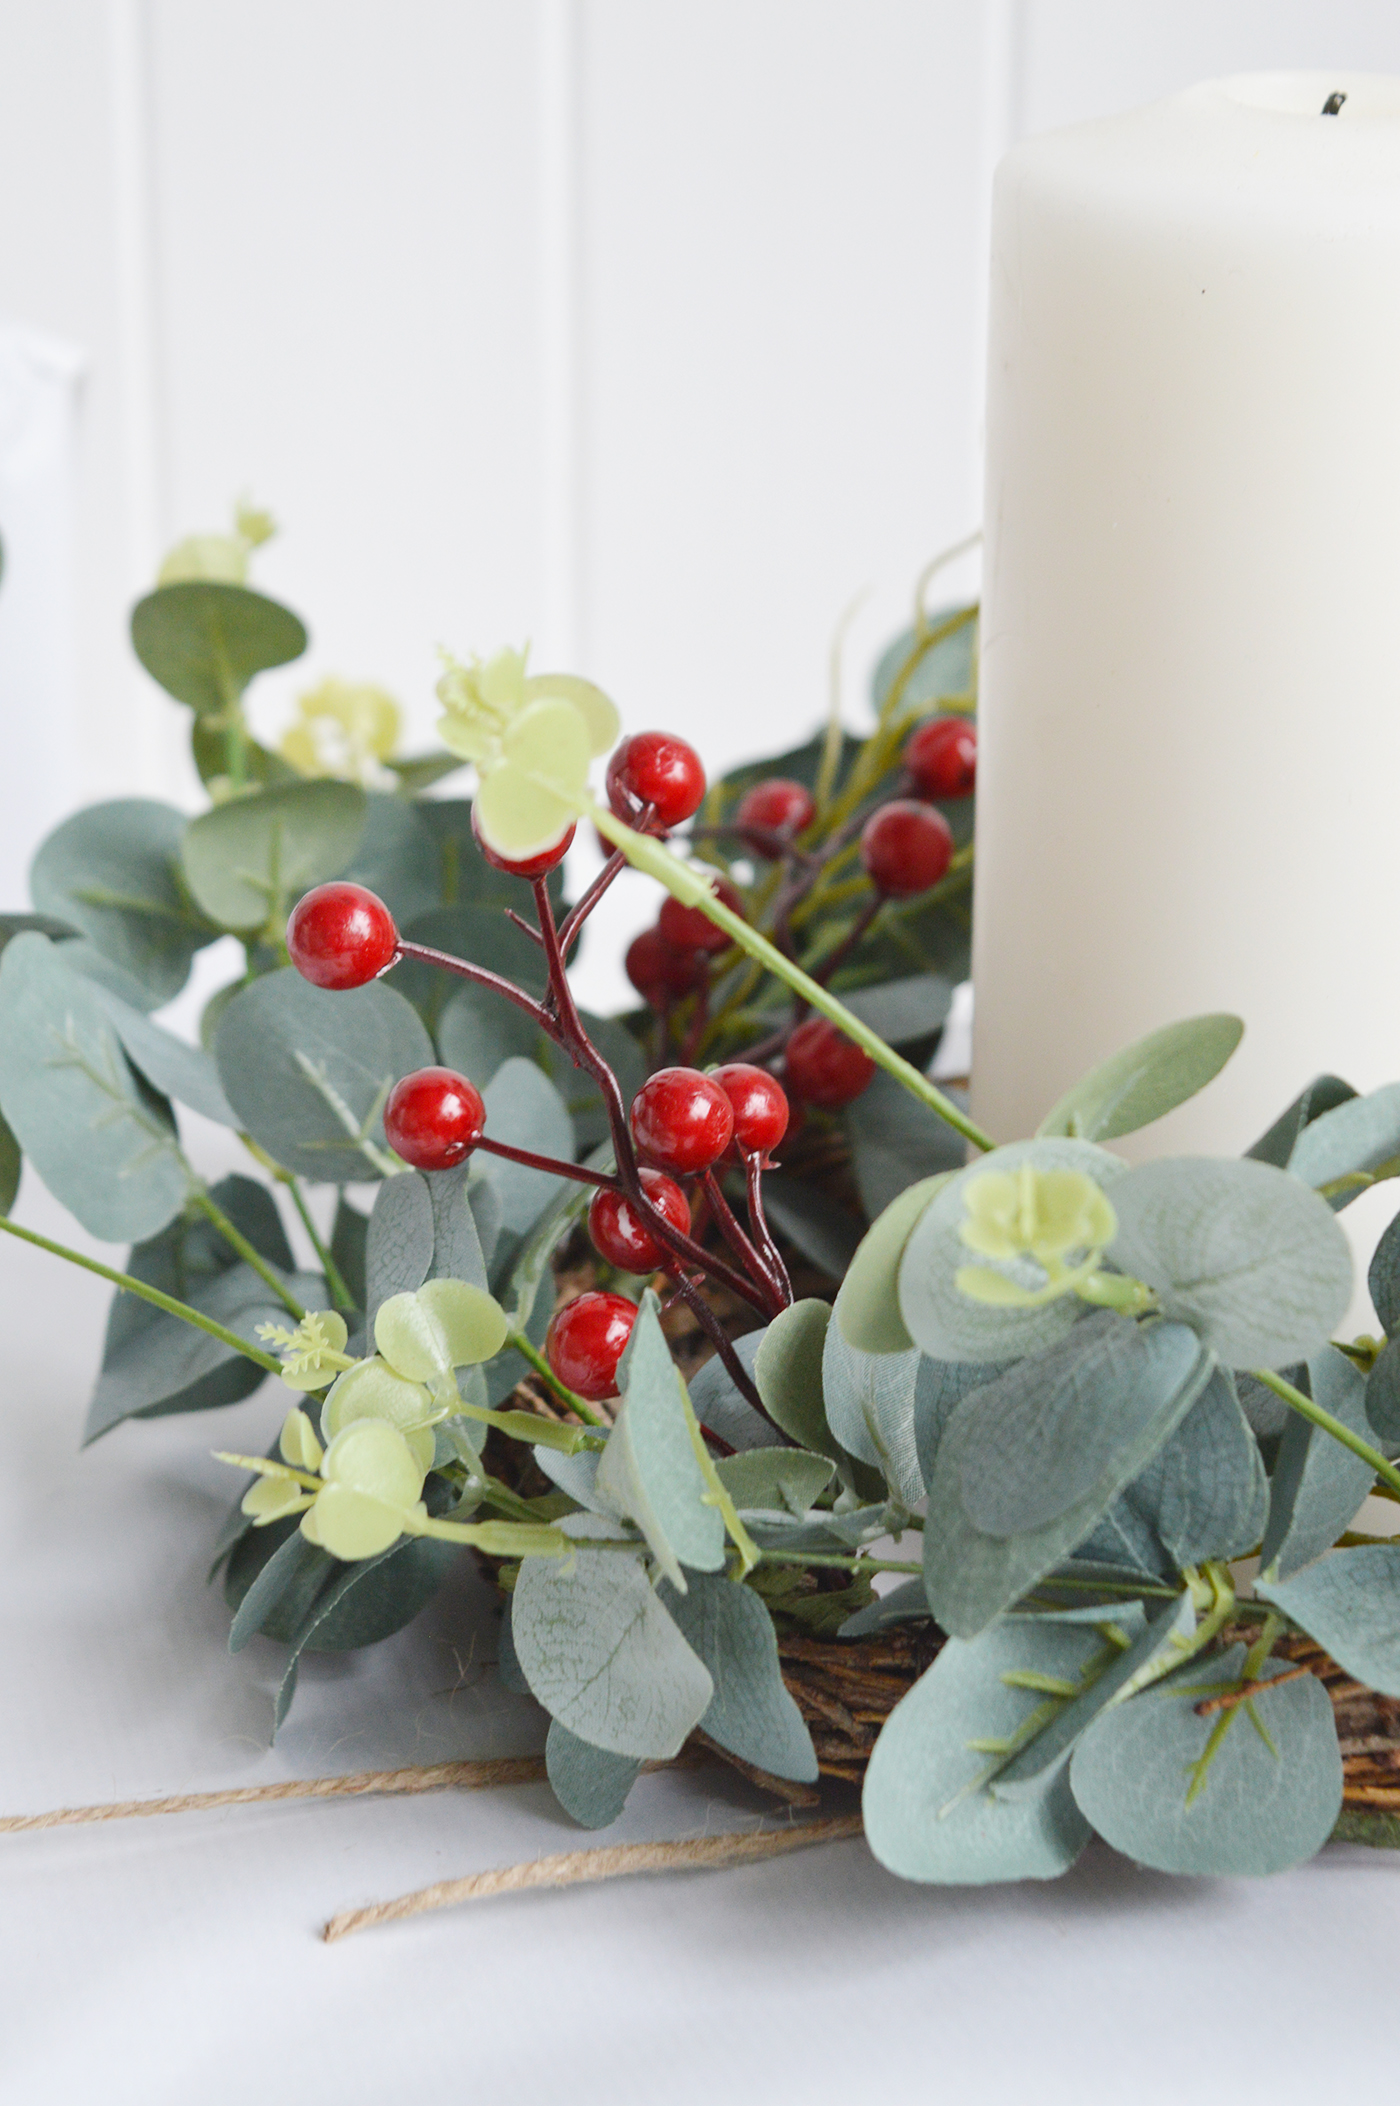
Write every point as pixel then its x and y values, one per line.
pixel 651 331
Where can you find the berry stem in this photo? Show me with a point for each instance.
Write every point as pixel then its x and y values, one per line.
pixel 830 966
pixel 481 977
pixel 555 1165
pixel 758 1222
pixel 582 908
pixel 739 1243
pixel 719 1338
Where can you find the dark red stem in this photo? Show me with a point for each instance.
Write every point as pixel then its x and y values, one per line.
pixel 738 1242
pixel 758 1222
pixel 553 1164
pixel 480 977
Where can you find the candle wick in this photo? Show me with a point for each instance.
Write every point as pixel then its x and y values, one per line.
pixel 1333 105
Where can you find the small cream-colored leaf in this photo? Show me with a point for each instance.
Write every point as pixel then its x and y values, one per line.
pixel 298 1443
pixel 598 711
pixel 352 1524
pixel 373 1457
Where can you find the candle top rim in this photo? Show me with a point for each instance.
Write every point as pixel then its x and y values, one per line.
pixel 1366 98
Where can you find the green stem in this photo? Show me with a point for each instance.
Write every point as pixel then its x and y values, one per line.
pixel 153 1295
pixel 686 885
pixel 335 1278
pixel 561 1390
pixel 1307 1409
pixel 236 1240
pixel 846 1561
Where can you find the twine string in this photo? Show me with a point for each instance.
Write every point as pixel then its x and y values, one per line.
pixel 573 1868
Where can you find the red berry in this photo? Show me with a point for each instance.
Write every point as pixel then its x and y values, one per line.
pixel 341 936
pixel 621 1235
pixel 434 1118
pixel 824 1066
pixel 690 928
pixel 656 768
pixel 587 1338
pixel 942 757
pixel 533 866
pixel 906 847
pixel 660 972
pixel 682 1120
pixel 760 1105
pixel 777 806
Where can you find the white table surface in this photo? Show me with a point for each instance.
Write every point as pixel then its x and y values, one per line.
pixel 179 1959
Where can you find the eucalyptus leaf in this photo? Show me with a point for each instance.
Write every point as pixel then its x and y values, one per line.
pixel 1267 1799
pixel 751 1713
pixel 931 1807
pixel 474 931
pixel 113 872
pixel 720 1405
pixel 869 1403
pixel 399 1242
pixel 1383 1279
pixel 1383 1397
pixel 1243 1252
pixel 524 1109
pixel 1350 1604
pixel 947 1323
pixel 204 641
pixel 935 673
pixel 1347 1145
pixel 939 1387
pixel 348 1248
pixel 478 1031
pixel 249 860
pixel 906 1603
pixel 788 1374
pixel 11 1165
pixel 601 1654
pixel 1169 1631
pixel 1029 1463
pixel 1147 1080
pixel 1318 1484
pixel 104 1146
pixel 1205 1494
pixel 398 857
pixel 582 1097
pixel 457 1253
pixel 1322 1094
pixel 307 1071
pixel 649 1472
pixel 896 1142
pixel 363 1603
pixel 775 1477
pixel 903 1010
pixel 186 1073
pixel 867 1303
pixel 589 1783
pixel 285 1588
pixel 825 1232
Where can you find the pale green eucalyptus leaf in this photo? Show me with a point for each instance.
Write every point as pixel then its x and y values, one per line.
pixel 247 862
pixel 102 1142
pixel 399 1242
pixel 649 1471
pixel 766 1478
pixel 1350 1604
pixel 788 1374
pixel 186 1073
pixel 867 1304
pixel 203 641
pixel 931 1808
pixel 825 1231
pixel 721 1405
pixel 1268 1799
pixel 869 1403
pixel 1349 1143
pixel 1317 1484
pixel 590 1783
pixel 947 1323
pixel 1146 1080
pixel 1322 1094
pixel 902 1010
pixel 11 1166
pixel 897 1142
pixel 1243 1252
pixel 1028 1464
pixel 601 1654
pixel 1205 1494
pixel 308 1071
pixel 524 1109
pixel 113 872
pixel 751 1713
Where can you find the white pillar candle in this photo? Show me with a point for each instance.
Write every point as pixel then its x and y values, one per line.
pixel 1189 793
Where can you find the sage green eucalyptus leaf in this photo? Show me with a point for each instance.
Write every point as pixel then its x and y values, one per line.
pixel 1266 1799
pixel 825 1232
pixel 939 1387
pixel 11 1166
pixel 751 1713
pixel 248 862
pixel 308 1071
pixel 867 1303
pixel 186 1073
pixel 213 756
pixel 361 1604
pixel 419 771
pixel 1243 1252
pixel 575 1474
pixel 1383 1398
pixel 398 857
pixel 113 872
pixel 600 1653
pixel 1350 1604
pixel 903 1604
pixel 1322 1094
pixel 589 1783
pixel 649 1472
pixel 947 1323
pixel 932 1811
pixel 348 1248
pixel 464 875
pixel 524 1109
pixel 285 1589
pixel 485 1204
pixel 508 1669
pixel 869 1402
pixel 482 936
pixel 720 1405
pixel 457 1253
pixel 788 1375
pixel 1383 1279
pixel 1029 1463
pixel 896 1142
pixel 45 924
pixel 1205 1493
pixel 767 1478
pixel 1317 1483
pixel 1146 1080
pixel 204 641
pixel 1341 1152
pixel 478 1031
pixel 104 1144
pixel 399 1242
pixel 900 1011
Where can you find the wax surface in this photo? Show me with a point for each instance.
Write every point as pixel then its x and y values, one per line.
pixel 1189 777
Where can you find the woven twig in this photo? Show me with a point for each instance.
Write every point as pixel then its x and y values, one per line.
pixel 573 1868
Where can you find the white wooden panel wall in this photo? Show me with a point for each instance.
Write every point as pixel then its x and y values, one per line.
pixel 649 328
